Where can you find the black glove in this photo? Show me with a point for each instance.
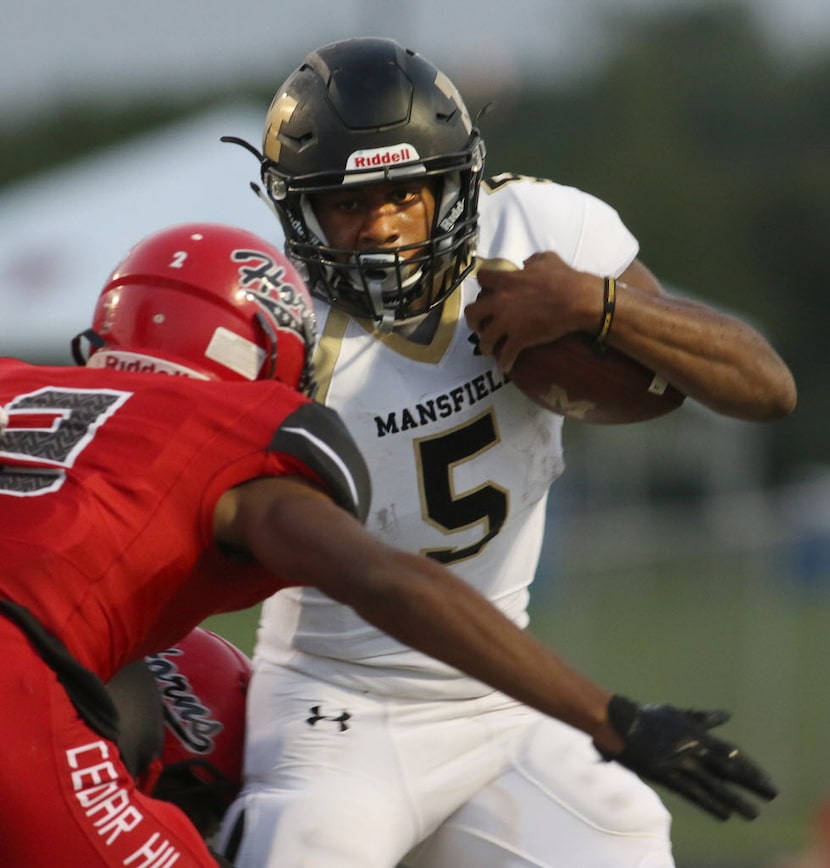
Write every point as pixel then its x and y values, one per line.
pixel 672 747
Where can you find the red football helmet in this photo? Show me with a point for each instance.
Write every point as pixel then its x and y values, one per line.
pixel 204 300
pixel 203 682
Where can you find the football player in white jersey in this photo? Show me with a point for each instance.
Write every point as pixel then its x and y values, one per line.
pixel 360 750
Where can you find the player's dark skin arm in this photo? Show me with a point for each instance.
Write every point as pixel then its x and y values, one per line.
pixel 713 357
pixel 296 531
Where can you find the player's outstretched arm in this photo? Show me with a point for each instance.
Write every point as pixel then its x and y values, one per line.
pixel 298 533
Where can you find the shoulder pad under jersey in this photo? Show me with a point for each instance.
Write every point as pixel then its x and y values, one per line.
pixel 317 436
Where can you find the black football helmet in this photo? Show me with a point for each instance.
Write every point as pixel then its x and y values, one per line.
pixel 366 111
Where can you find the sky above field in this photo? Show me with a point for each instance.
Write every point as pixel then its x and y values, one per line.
pixel 51 51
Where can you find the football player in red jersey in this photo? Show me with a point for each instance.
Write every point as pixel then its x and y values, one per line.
pixel 182 472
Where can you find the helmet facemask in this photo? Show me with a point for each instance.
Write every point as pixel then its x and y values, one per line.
pixel 386 284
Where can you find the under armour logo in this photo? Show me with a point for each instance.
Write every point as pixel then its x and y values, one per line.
pixel 316 716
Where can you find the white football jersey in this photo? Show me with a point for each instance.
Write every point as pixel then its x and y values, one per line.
pixel 461 462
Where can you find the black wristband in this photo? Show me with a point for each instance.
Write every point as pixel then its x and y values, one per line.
pixel 622 713
pixel 609 304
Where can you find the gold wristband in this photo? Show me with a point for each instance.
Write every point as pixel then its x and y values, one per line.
pixel 609 303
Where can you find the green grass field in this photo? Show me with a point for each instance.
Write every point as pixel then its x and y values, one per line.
pixel 715 634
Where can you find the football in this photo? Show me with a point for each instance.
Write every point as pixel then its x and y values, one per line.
pixel 581 379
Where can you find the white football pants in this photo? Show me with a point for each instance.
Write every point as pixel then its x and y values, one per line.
pixel 342 779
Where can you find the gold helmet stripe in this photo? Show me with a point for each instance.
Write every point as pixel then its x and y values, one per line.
pixel 450 91
pixel 280 113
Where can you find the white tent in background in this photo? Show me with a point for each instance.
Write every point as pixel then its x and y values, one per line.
pixel 62 232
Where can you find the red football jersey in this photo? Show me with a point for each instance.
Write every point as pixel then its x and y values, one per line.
pixel 108 483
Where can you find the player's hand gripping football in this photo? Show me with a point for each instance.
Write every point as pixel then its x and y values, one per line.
pixel 673 747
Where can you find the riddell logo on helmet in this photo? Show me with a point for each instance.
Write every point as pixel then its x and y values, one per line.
pixel 122 360
pixel 368 159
